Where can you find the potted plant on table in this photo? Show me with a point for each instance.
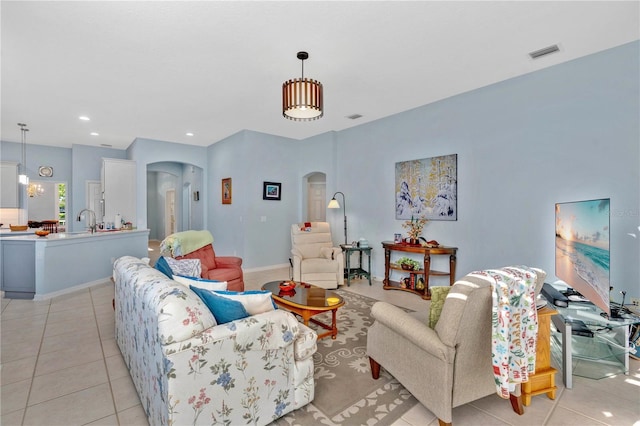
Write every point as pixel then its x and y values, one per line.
pixel 409 264
pixel 414 228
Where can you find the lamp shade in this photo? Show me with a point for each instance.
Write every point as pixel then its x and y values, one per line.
pixel 302 97
pixel 333 204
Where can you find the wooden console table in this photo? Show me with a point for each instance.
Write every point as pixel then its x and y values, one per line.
pixel 425 272
pixel 544 379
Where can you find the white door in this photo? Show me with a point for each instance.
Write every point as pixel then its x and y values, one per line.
pixel 170 212
pixel 317 198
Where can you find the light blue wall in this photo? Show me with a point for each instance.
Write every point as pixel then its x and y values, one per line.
pixel 195 177
pixel 249 159
pixel 566 133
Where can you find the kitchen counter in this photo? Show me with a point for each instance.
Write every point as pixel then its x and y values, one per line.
pixel 31 235
pixel 6 232
pixel 44 267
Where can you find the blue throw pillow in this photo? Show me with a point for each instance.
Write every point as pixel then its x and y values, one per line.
pixel 223 309
pixel 163 266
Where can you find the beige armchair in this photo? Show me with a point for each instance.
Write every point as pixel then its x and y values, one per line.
pixel 449 365
pixel 315 260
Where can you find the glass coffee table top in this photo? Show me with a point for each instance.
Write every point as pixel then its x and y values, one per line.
pixel 304 295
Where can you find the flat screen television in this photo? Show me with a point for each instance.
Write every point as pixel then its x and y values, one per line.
pixel 582 248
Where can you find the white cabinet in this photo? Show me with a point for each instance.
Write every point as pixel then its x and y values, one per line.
pixel 118 190
pixel 9 189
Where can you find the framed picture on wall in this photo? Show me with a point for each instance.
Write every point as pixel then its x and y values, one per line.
pixel 271 190
pixel 427 188
pixel 226 191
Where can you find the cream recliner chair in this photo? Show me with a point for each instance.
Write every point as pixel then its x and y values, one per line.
pixel 315 260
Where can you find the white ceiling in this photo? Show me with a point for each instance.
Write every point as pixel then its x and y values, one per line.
pixel 160 69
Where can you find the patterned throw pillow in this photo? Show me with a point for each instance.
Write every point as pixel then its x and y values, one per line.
pixel 185 267
pixel 438 296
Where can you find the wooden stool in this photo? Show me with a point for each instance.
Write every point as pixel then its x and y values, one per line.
pixel 544 380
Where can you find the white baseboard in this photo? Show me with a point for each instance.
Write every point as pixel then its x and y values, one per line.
pixel 47 296
pixel 266 268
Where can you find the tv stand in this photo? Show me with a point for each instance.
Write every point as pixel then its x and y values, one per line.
pixel 604 354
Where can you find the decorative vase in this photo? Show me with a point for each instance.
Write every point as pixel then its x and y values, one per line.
pixel 420 284
pixel 406 267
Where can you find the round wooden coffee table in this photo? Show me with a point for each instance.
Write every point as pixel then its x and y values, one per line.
pixel 307 300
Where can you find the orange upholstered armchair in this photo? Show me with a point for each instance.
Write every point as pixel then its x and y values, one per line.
pixel 221 268
pixel 199 245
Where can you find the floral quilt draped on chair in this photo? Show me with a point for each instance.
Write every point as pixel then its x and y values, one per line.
pixel 188 370
pixel 515 325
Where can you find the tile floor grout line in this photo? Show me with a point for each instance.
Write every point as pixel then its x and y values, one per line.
pixel 581 414
pixel 556 402
pixel 33 373
pixel 104 357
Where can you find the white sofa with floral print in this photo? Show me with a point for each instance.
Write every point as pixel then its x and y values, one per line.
pixel 188 370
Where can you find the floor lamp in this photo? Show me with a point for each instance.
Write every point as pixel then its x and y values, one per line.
pixel 333 204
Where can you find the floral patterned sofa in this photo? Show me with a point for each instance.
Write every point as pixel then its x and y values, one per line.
pixel 188 370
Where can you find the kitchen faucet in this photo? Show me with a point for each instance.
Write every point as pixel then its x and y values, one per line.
pixel 92 227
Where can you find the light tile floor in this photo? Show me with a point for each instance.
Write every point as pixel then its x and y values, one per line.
pixel 61 366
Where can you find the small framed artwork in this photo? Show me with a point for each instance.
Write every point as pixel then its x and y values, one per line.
pixel 226 191
pixel 271 190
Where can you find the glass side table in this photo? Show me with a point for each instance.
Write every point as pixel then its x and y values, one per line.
pixel 605 353
pixel 350 272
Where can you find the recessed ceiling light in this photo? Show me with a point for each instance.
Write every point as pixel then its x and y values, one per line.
pixel 106 145
pixel 354 116
pixel 189 134
pixel 84 118
pixel 95 134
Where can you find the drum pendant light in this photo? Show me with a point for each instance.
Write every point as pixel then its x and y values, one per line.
pixel 302 97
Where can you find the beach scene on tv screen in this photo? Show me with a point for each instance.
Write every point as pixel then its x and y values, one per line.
pixel 582 248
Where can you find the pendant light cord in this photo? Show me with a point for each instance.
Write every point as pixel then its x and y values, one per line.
pixel 23 131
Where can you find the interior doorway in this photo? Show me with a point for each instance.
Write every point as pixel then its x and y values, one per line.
pixel 316 197
pixel 171 207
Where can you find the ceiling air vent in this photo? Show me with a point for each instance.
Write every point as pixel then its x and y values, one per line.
pixel 544 51
pixel 354 116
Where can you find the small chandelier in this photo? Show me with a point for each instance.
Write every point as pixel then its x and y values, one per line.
pixel 302 98
pixel 22 176
pixel 35 190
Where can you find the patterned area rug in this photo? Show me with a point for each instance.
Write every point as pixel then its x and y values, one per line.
pixel 345 393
